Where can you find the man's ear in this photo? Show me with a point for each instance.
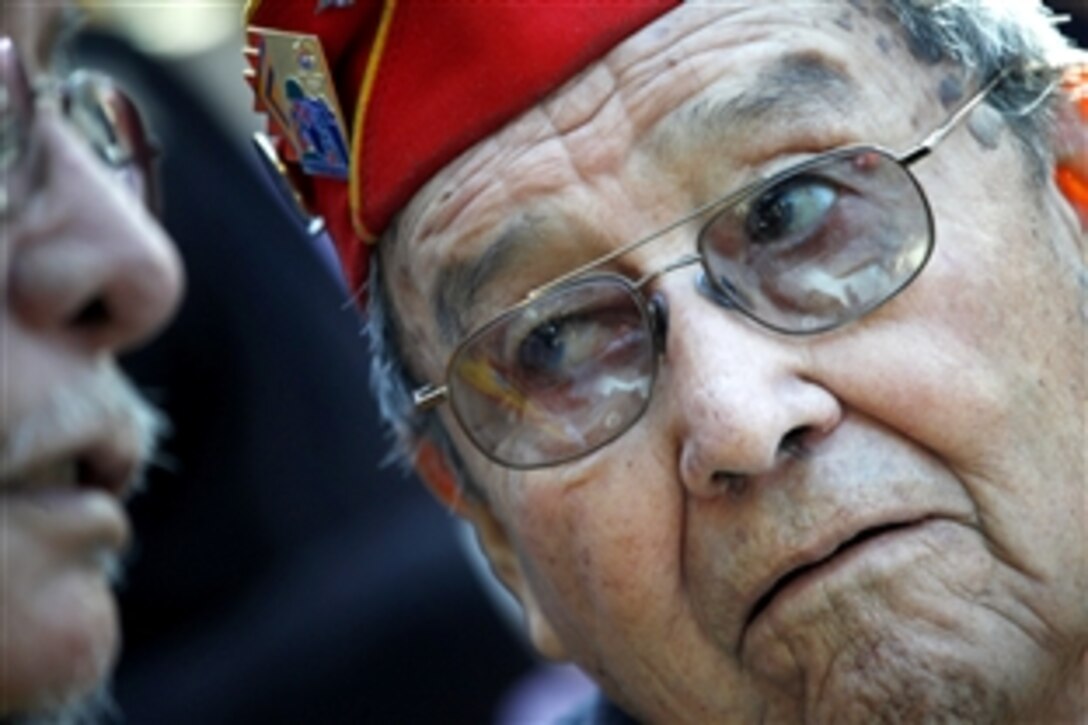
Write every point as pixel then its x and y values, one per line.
pixel 438 475
pixel 1071 163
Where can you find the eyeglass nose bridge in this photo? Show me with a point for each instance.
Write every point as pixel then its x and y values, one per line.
pixel 657 308
pixel 718 296
pixel 685 261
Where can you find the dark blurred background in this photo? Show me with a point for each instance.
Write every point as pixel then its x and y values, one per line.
pixel 281 573
pixel 1077 27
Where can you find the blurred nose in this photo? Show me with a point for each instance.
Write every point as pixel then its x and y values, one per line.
pixel 739 396
pixel 87 261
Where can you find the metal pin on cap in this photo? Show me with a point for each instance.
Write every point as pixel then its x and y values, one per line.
pixel 323 5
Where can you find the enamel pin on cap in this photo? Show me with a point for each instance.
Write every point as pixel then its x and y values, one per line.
pixel 294 87
pixel 323 5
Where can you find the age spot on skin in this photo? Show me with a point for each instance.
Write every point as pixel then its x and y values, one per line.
pixel 950 91
pixel 986 127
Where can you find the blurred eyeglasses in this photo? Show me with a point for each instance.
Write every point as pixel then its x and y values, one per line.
pixel 95 108
pixel 810 249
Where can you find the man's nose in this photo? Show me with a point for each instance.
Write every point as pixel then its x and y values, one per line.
pixel 741 398
pixel 87 262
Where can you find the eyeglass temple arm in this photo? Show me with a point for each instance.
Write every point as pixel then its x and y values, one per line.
pixel 925 148
pixel 429 397
pixel 918 152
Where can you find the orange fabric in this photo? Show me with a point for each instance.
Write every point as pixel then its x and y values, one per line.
pixel 1071 171
pixel 1075 83
pixel 1074 186
pixel 436 473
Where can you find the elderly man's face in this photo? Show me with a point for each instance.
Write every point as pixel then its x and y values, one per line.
pixel 85 272
pixel 870 524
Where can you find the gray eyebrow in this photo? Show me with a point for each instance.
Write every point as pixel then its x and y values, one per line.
pixel 457 283
pixel 797 83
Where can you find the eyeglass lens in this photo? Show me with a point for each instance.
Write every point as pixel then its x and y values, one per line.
pixel 95 108
pixel 822 244
pixel 810 249
pixel 560 376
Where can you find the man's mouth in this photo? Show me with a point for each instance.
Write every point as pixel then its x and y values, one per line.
pixel 73 502
pixel 99 468
pixel 72 506
pixel 813 566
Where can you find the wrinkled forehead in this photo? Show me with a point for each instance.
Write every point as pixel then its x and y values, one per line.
pixel 36 26
pixel 768 61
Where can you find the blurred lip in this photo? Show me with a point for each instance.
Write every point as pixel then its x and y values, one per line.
pixel 80 519
pixel 104 465
pixel 74 493
pixel 810 563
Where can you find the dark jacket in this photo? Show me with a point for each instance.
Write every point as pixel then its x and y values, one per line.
pixel 281 575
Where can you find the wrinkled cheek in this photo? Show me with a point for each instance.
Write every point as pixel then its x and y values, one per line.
pixel 600 559
pixel 896 678
pixel 932 627
pixel 563 557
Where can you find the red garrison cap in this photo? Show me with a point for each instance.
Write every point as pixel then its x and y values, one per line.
pixel 420 81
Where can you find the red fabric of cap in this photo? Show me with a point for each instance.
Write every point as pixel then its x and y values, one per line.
pixel 423 80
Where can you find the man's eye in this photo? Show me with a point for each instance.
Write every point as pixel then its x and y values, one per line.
pixel 561 346
pixel 543 348
pixel 570 349
pixel 789 212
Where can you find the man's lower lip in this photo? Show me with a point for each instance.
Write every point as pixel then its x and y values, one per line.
pixel 67 513
pixel 805 578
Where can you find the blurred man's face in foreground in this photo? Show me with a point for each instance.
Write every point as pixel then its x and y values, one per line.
pixel 881 523
pixel 85 272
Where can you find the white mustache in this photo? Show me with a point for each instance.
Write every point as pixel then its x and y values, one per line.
pixel 102 402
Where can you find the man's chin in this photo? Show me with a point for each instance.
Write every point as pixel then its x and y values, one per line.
pixel 60 645
pixel 95 708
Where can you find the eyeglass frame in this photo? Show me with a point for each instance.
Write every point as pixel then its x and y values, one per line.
pixel 20 104
pixel 429 396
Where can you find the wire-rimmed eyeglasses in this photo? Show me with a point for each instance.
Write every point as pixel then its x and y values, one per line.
pixel 96 109
pixel 571 367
